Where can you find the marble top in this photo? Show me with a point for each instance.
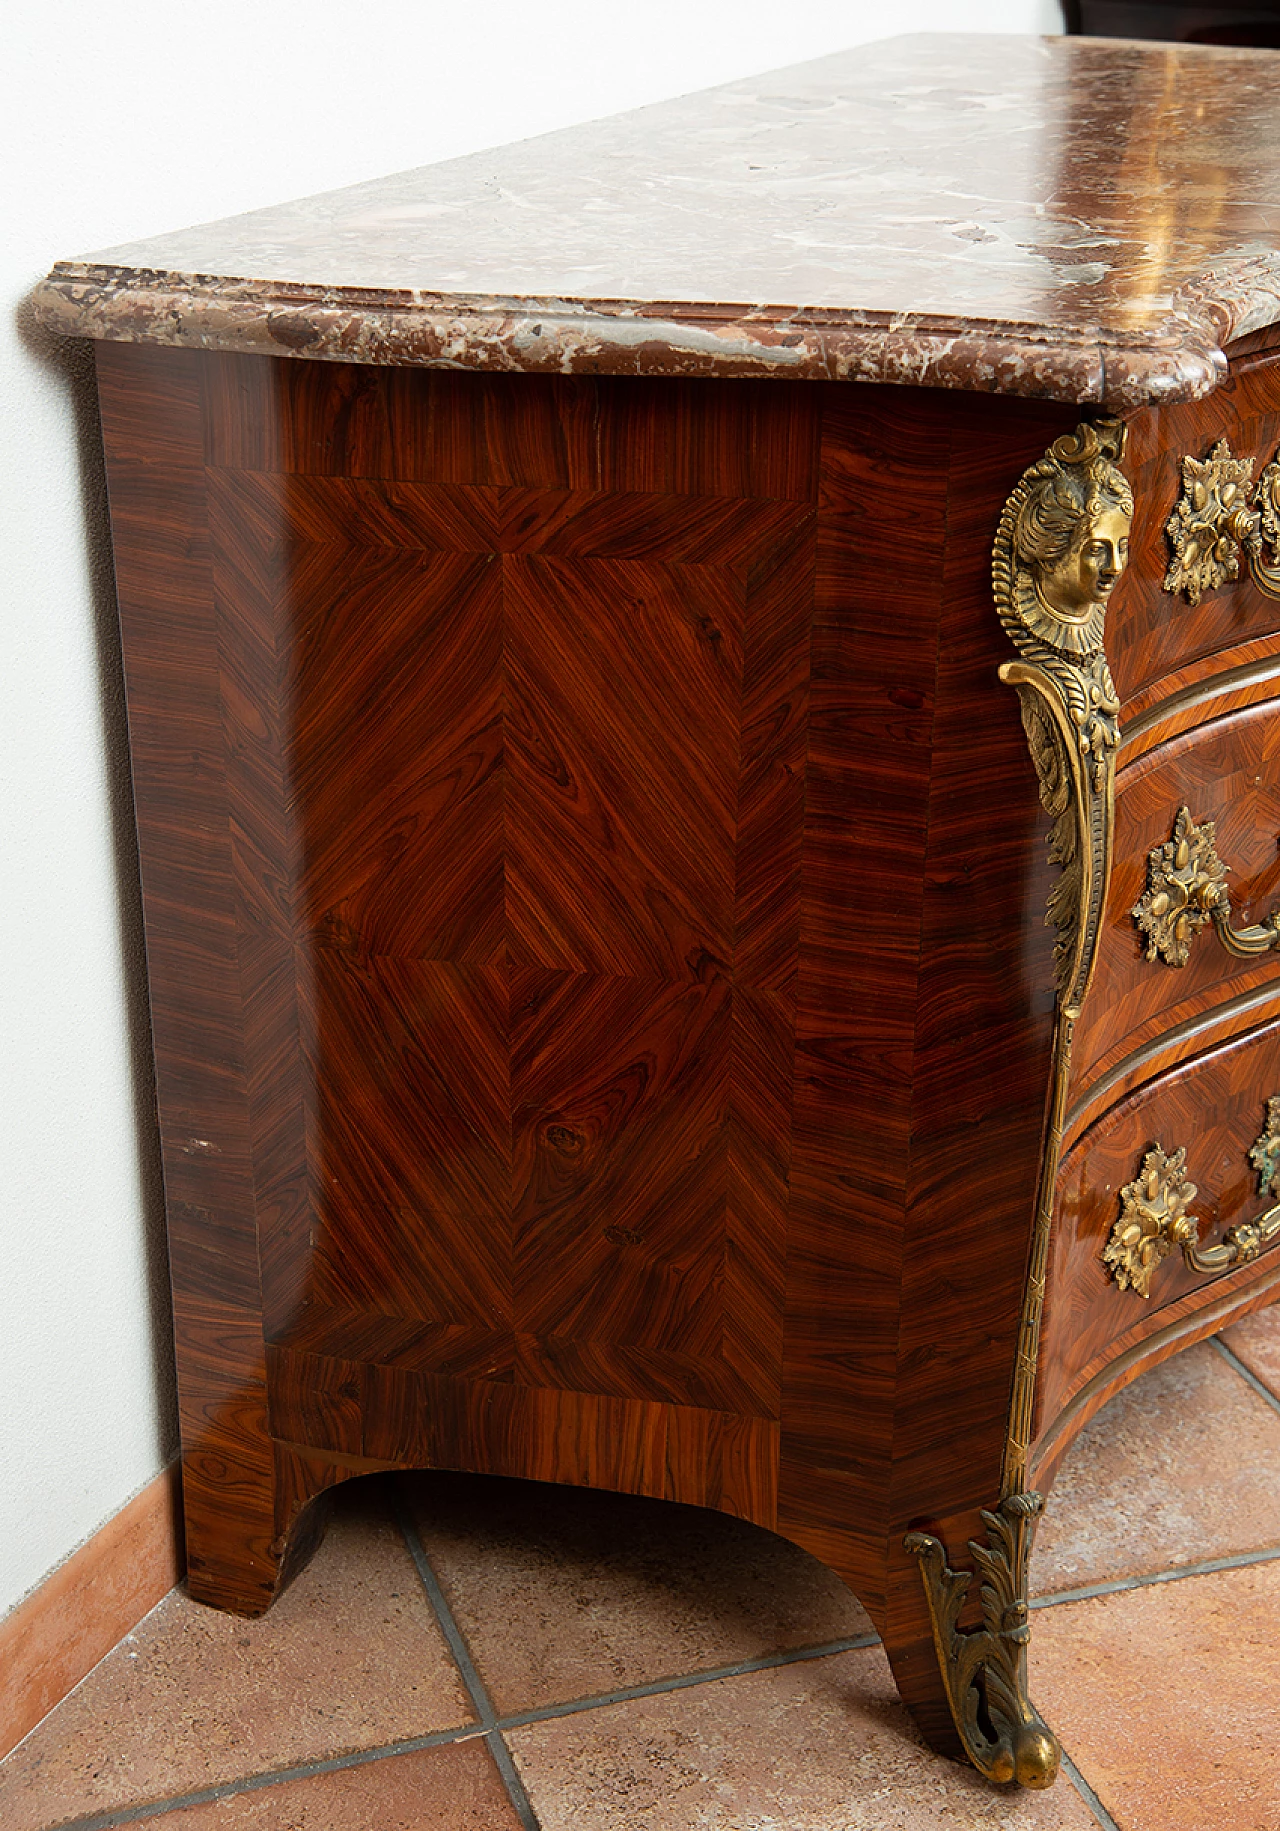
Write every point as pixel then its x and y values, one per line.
pixel 1079 219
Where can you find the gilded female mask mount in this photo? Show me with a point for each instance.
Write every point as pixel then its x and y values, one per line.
pixel 1062 544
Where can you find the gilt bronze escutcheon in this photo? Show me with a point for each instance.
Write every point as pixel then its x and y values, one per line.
pixel 1186 890
pixel 1155 1215
pixel 1221 519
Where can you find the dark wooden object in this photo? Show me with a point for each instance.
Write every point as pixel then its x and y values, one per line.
pixel 1208 22
pixel 593 881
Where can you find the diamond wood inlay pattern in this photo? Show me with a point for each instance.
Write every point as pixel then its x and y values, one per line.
pixel 545 957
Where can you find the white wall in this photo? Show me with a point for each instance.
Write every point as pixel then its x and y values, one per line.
pixel 124 120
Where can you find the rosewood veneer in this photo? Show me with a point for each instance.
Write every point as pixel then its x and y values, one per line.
pixel 606 1024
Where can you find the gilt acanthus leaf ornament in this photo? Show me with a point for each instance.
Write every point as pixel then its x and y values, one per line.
pixel 1186 880
pixel 1264 1152
pixel 1208 523
pixel 1154 1218
pixel 1186 890
pixel 1221 521
pixel 984 1669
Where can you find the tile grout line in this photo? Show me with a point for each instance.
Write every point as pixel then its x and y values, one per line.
pixel 365 1757
pixel 476 1689
pixel 709 1675
pixel 1235 1560
pixel 1246 1373
pixel 254 1783
pixel 491 1726
pixel 1086 1792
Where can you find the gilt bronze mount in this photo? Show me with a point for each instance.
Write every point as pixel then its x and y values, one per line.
pixel 1186 890
pixel 1061 545
pixel 1153 1220
pixel 1222 518
pixel 1155 1215
pixel 1264 1152
pixel 985 1669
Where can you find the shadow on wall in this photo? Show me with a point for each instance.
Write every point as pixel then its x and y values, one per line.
pixel 71 361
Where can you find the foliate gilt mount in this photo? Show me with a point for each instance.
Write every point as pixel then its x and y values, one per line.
pixel 1155 1217
pixel 1062 543
pixel 1186 890
pixel 1153 1220
pixel 1220 519
pixel 1264 1152
pixel 985 1669
pixel 1185 882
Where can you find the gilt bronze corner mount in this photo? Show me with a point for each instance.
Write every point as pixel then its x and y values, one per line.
pixel 1061 545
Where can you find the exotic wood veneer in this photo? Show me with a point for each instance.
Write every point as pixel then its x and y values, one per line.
pixel 606 1025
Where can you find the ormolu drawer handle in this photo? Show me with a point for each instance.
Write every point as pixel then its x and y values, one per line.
pixel 1154 1216
pixel 1186 888
pixel 1215 525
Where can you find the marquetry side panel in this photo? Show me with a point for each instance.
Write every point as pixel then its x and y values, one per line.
pixel 525 744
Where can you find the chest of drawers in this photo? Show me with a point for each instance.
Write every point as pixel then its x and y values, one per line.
pixel 607 1026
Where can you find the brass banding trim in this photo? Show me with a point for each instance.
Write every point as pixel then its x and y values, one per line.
pixel 1142 733
pixel 1207 1029
pixel 1200 1322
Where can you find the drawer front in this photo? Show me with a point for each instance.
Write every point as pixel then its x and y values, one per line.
pixel 1144 1010
pixel 1215 1109
pixel 1151 634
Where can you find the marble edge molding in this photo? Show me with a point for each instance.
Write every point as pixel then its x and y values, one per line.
pixel 1182 358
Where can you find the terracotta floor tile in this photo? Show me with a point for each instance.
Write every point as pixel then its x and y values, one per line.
pixel 349 1658
pixel 1256 1340
pixel 818 1746
pixel 455 1788
pixel 1168 1699
pixel 565 1592
pixel 1182 1465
